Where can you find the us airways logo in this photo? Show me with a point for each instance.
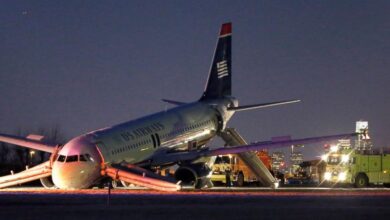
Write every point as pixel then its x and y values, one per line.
pixel 222 69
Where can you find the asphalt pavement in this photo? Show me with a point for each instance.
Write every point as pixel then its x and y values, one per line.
pixel 219 203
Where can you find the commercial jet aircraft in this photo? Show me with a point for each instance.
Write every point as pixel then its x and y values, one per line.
pixel 134 151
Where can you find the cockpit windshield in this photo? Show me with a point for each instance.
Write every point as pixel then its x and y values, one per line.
pixel 222 159
pixel 74 158
pixel 83 158
pixel 334 160
pixel 61 158
pixel 71 158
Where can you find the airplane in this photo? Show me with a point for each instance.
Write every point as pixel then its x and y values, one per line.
pixel 134 151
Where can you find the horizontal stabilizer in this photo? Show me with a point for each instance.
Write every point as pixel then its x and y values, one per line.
pixel 173 102
pixel 26 142
pixel 262 105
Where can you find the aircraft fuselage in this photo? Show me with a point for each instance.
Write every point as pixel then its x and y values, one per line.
pixel 183 128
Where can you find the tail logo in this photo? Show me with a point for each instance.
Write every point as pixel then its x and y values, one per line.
pixel 222 69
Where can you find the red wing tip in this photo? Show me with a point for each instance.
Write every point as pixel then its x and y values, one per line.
pixel 226 29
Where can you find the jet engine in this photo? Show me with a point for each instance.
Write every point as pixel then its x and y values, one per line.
pixel 196 175
pixel 47 182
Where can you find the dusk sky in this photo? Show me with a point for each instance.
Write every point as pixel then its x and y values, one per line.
pixel 84 65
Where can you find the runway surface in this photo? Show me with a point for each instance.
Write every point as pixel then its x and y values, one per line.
pixel 218 203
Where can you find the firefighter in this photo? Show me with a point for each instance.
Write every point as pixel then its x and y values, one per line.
pixel 227 176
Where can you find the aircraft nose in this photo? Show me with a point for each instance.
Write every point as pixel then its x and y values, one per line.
pixel 75 173
pixel 77 166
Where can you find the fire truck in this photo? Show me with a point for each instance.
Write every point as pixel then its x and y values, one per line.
pixel 356 167
pixel 359 165
pixel 239 173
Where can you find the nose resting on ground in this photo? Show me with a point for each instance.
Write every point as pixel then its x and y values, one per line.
pixel 77 165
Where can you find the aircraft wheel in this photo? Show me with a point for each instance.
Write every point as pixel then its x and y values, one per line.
pixel 47 182
pixel 361 181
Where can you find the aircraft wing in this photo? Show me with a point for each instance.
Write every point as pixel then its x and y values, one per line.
pixel 275 144
pixel 25 142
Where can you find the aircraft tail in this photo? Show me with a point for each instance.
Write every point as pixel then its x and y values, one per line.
pixel 219 82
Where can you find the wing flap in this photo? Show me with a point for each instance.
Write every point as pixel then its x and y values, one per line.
pixel 34 173
pixel 26 142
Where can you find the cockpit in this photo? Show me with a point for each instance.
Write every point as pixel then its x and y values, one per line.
pixel 74 158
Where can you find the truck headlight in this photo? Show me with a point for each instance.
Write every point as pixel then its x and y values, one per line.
pixel 345 158
pixel 327 175
pixel 324 157
pixel 334 148
pixel 342 176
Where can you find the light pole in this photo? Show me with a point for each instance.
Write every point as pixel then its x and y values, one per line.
pixel 32 153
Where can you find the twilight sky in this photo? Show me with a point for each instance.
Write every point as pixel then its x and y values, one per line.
pixel 85 65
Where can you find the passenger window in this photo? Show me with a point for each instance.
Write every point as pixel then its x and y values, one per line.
pixel 72 158
pixel 61 158
pixel 83 158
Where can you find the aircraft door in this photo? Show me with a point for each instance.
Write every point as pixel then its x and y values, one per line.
pixel 105 152
pixel 192 145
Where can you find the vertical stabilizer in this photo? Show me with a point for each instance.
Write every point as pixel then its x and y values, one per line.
pixel 220 77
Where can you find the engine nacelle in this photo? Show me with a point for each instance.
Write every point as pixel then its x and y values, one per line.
pixel 196 175
pixel 47 182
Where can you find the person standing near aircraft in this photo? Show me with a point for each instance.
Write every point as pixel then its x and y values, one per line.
pixel 228 174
